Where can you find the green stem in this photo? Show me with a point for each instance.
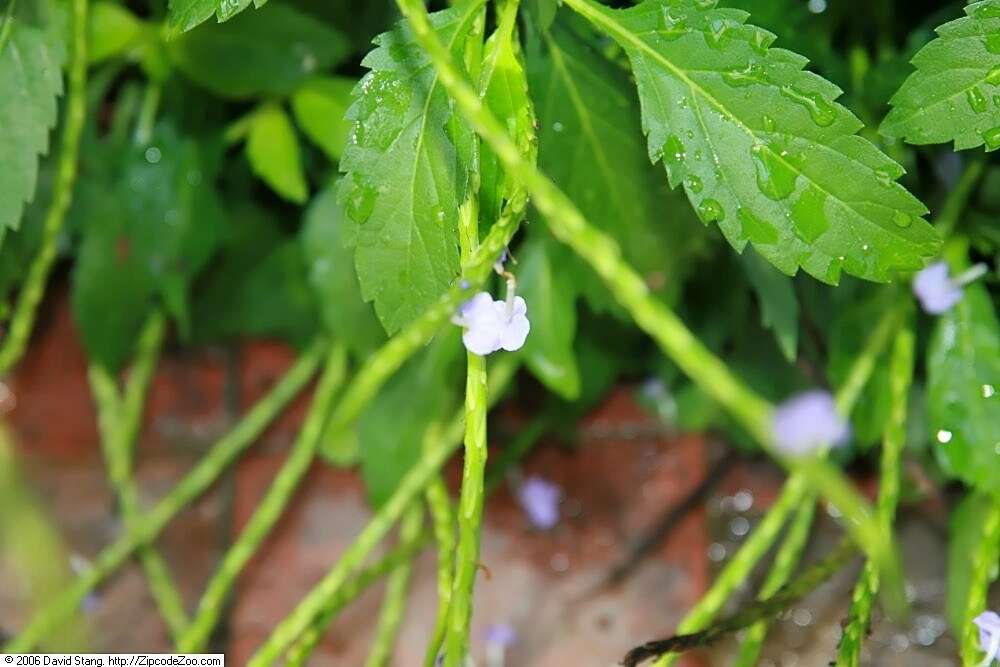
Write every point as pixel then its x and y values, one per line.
pixel 761 609
pixel 785 562
pixel 863 599
pixel 147 113
pixel 23 319
pixel 395 593
pixel 270 508
pixel 350 591
pixel 208 469
pixel 119 418
pixel 983 566
pixel 443 519
pixel 313 607
pixel 33 550
pixel 567 223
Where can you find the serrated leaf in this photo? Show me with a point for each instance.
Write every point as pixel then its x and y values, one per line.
pixel 955 93
pixel 760 145
pixel 406 177
pixel 150 221
pixel 590 144
pixel 268 52
pixel 319 107
pixel 505 92
pixel 186 14
pixel 332 276
pixel 273 152
pixel 111 31
pixel 551 298
pixel 778 306
pixel 963 371
pixel 30 83
pixel 391 430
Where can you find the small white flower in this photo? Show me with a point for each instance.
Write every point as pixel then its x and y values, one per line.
pixel 808 421
pixel 493 325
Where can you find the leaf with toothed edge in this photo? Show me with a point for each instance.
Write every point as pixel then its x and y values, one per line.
pixel 761 147
pixel 406 173
pixel 955 93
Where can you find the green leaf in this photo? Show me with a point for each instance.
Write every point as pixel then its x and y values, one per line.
pixel 391 430
pixel 186 14
pixel 269 52
pixel 779 308
pixel 955 93
pixel 258 287
pixel 273 152
pixel 332 275
pixel 30 82
pixel 111 31
pixel 965 535
pixel 150 222
pixel 760 145
pixel 320 106
pixel 963 371
pixel 406 177
pixel 551 298
pixel 505 92
pixel 542 12
pixel 590 144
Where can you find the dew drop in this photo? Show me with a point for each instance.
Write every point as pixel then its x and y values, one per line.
pixel 821 111
pixel 944 436
pixel 989 391
pixel 809 215
pixel 673 150
pixel 760 41
pixel 440 216
pixel 756 229
pixel 710 210
pixel 694 184
pixel 673 27
pixel 901 219
pixel 992 138
pixel 360 203
pixel 719 34
pixel 745 76
pixel 993 43
pixel 768 124
pixel 883 175
pixel 557 127
pixel 993 78
pixel 976 99
pixel 153 155
pixel 775 178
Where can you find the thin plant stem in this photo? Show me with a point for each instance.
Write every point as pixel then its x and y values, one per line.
pixel 785 562
pixel 443 521
pixel 151 524
pixel 147 113
pixel 761 609
pixel 600 251
pixel 119 418
pixel 270 508
pixel 982 568
pixel 959 195
pixel 863 599
pixel 299 653
pixel 23 319
pixel 394 604
pixel 315 604
pixel 470 503
pixel 32 548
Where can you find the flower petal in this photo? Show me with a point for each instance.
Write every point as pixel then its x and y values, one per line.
pixel 482 340
pixel 515 333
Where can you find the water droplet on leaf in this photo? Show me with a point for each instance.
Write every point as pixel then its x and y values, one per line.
pixel 809 215
pixel 992 138
pixel 360 202
pixel 775 178
pixel 768 124
pixel 901 219
pixel 745 76
pixel 719 34
pixel 694 184
pixel 709 210
pixel 993 43
pixel 673 150
pixel 976 99
pixel 756 229
pixel 822 112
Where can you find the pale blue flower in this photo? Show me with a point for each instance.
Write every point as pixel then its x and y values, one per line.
pixel 808 422
pixel 493 325
pixel 500 634
pixel 540 501
pixel 988 623
pixel 935 290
